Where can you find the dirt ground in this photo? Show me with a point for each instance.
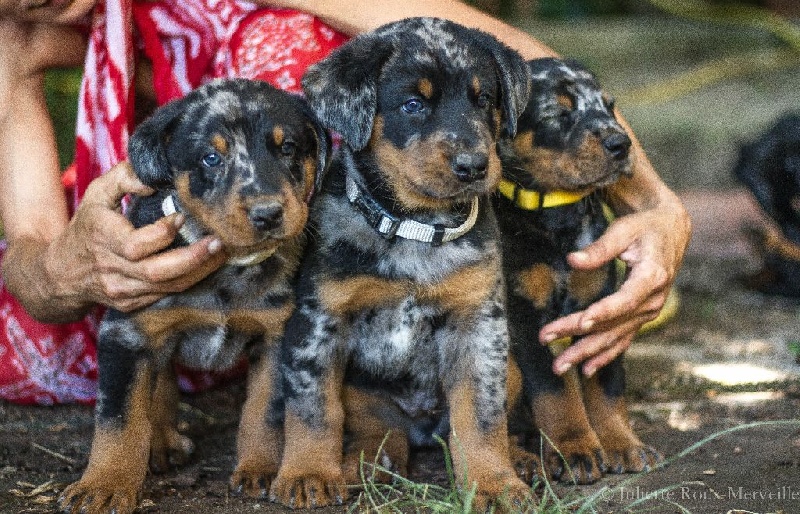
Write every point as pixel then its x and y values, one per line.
pixel 725 361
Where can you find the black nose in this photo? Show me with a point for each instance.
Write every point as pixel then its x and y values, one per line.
pixel 470 167
pixel 266 216
pixel 617 145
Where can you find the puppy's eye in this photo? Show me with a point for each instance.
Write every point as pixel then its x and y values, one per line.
pixel 413 106
pixel 288 148
pixel 212 160
pixel 484 100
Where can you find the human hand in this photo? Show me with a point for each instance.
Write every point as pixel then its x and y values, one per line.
pixel 102 258
pixel 652 244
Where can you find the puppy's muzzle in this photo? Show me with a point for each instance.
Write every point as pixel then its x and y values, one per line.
pixel 266 216
pixel 617 145
pixel 470 166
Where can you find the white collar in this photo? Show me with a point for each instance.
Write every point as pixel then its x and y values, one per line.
pixel 390 226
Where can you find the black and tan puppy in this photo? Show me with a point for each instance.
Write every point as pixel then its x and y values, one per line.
pixel 770 168
pixel 567 148
pixel 401 294
pixel 239 160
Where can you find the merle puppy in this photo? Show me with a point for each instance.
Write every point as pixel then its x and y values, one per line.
pixel 400 295
pixel 568 146
pixel 239 160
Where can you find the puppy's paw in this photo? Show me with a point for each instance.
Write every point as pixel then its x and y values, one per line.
pixel 528 465
pixel 168 448
pixel 310 490
pixel 634 459
pixel 253 479
pixel 98 496
pixel 506 492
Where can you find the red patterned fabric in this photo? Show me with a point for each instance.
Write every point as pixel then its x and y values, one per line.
pixel 189 43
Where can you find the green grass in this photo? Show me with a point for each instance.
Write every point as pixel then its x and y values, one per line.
pixel 406 496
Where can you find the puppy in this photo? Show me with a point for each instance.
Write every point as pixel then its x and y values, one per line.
pixel 569 145
pixel 401 295
pixel 770 168
pixel 238 159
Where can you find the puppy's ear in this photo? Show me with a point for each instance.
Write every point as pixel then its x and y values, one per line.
pixel 323 153
pixel 342 89
pixel 514 75
pixel 147 150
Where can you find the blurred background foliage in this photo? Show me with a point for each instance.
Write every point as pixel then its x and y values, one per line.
pixel 695 78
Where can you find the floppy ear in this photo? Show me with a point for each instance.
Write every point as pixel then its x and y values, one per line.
pixel 342 89
pixel 323 153
pixel 147 150
pixel 514 75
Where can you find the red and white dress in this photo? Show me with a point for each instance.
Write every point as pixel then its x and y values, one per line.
pixel 189 43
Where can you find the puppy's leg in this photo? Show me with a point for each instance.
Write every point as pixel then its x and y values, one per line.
pixel 476 353
pixel 260 439
pixel 608 414
pixel 118 460
pixel 310 474
pixel 373 436
pixel 168 447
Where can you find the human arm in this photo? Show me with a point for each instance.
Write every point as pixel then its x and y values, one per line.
pixel 650 233
pixel 57 267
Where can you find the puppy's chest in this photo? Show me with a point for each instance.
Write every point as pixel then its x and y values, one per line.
pixel 212 323
pixel 396 341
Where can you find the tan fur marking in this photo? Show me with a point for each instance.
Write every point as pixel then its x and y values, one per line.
pixel 562 417
pixel 278 135
pixel 158 324
pixel 354 294
pixel 371 431
pixel 513 382
pixel 167 444
pixel 312 458
pixel 118 459
pixel 259 446
pixel 476 85
pixel 483 457
pixel 609 418
pixel 586 285
pixel 565 101
pixel 269 322
pixel 421 175
pixel 219 143
pixel 537 284
pixel 464 290
pixel 425 88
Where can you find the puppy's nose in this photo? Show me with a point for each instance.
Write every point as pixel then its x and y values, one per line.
pixel 470 167
pixel 617 145
pixel 266 216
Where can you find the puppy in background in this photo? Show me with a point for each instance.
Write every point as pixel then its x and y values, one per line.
pixel 239 159
pixel 568 147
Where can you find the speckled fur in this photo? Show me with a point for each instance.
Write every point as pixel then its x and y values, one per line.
pixel 219 142
pixel 409 343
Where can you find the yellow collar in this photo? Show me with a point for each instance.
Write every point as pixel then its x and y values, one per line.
pixel 534 200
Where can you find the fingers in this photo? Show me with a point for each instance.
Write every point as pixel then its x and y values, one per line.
pixel 109 189
pixel 136 244
pixel 617 238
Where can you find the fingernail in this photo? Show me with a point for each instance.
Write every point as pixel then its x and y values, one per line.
pixel 587 325
pixel 214 246
pixel 580 256
pixel 179 220
pixel 588 371
pixel 562 368
pixel 548 338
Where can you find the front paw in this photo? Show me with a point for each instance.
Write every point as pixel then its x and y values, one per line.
pixel 252 479
pixel 89 496
pixel 579 462
pixel 634 459
pixel 527 464
pixel 308 490
pixel 505 492
pixel 168 448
